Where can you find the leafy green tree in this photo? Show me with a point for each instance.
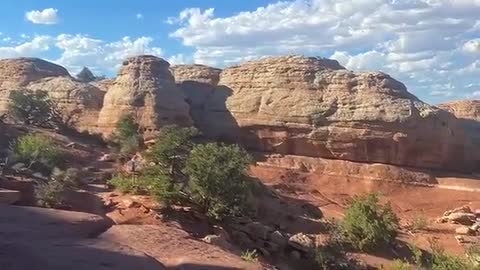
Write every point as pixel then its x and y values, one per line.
pixel 368 224
pixel 85 75
pixel 30 108
pixel 127 136
pixel 218 178
pixel 37 149
pixel 172 150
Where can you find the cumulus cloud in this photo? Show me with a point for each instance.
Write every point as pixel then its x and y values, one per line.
pixel 79 50
pixel 46 16
pixel 416 41
pixel 139 16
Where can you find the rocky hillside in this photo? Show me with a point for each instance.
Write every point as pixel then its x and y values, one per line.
pixel 315 107
pixel 289 105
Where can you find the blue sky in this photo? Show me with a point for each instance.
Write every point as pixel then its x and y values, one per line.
pixel 433 46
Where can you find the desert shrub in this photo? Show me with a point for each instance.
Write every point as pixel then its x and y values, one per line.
pixel 400 265
pixel 249 255
pixel 218 180
pixel 172 150
pixel 129 184
pixel 440 260
pixel 127 136
pixel 50 194
pixel 160 186
pixel 30 108
pixel 37 149
pixel 420 222
pixel 69 177
pixel 368 224
pixel 473 255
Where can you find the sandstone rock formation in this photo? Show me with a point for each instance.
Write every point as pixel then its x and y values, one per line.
pixel 199 84
pixel 314 107
pixel 468 113
pixel 78 102
pixel 146 89
pixel 17 73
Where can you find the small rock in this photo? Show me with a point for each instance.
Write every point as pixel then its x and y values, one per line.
pixel 477 212
pixel 40 176
pixel 71 145
pixel 106 158
pixel 130 204
pixel 461 218
pixel 109 203
pixel 312 211
pixel 460 239
pixel 278 239
pixel 19 167
pixel 301 242
pixel 464 231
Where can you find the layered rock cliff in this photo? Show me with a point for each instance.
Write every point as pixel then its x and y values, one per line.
pixel 468 113
pixel 314 107
pixel 146 89
pixel 79 102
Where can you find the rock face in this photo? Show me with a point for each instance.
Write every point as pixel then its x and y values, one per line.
pixel 199 84
pixel 79 102
pixel 146 89
pixel 314 107
pixel 17 73
pixel 38 238
pixel 468 112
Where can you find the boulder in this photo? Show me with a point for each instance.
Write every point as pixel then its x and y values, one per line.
pixel 464 230
pixel 146 89
pixel 460 218
pixel 302 242
pixel 9 196
pixel 314 107
pixel 38 238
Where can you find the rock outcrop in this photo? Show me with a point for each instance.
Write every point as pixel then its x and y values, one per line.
pixel 315 107
pixel 78 102
pixel 146 89
pixel 468 113
pixel 17 73
pixel 206 100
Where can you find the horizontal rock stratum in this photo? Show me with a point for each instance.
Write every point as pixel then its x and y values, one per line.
pixel 315 107
pixel 292 105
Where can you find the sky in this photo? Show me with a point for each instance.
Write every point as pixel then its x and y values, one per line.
pixel 433 46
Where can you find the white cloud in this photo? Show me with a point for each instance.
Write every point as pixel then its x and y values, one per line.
pixel 472 46
pixel 416 41
pixel 32 48
pixel 46 16
pixel 79 50
pixel 139 16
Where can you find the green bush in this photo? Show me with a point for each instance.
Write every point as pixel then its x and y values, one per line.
pixel 69 177
pixel 172 150
pixel 127 137
pixel 129 184
pixel 473 255
pixel 440 260
pixel 152 181
pixel 368 224
pixel 37 149
pixel 50 194
pixel 218 178
pixel 420 222
pixel 249 255
pixel 400 265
